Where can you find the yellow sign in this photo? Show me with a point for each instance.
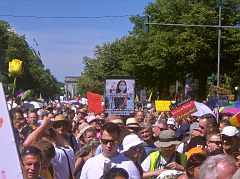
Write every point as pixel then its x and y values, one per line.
pixel 162 105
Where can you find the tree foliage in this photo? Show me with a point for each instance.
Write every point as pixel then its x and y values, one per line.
pixel 168 53
pixel 35 76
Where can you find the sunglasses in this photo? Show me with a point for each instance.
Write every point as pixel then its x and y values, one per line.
pixel 137 148
pixel 106 141
pixel 226 143
pixel 215 142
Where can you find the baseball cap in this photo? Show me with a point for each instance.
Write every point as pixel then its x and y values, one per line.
pixel 230 131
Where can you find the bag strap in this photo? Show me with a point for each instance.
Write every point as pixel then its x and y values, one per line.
pixel 69 167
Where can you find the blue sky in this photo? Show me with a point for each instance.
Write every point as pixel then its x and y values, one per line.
pixel 63 42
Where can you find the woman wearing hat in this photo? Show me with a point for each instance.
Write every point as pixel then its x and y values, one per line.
pixel 165 158
pixel 133 149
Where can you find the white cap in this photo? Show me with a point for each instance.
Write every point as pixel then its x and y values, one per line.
pixel 171 121
pixel 149 105
pixel 130 141
pixel 230 131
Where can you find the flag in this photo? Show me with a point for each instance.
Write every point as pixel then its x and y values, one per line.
pixel 235 120
pixel 150 97
pixel 136 99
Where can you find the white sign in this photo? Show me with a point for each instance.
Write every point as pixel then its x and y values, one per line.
pixel 9 160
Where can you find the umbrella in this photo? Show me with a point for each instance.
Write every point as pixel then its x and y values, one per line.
pixel 32 105
pixel 233 108
pixel 216 103
pixel 37 104
pixel 202 109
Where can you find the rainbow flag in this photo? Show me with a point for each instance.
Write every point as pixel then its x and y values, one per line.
pixel 235 120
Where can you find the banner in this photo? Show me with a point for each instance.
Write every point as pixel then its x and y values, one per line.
pixel 94 102
pixel 183 109
pixel 9 159
pixel 162 105
pixel 119 96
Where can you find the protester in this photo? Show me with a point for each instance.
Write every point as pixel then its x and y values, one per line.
pixel 86 152
pixel 63 162
pixel 110 143
pixel 207 125
pixel 133 149
pixel 146 135
pixel 31 162
pixel 48 153
pixel 116 173
pixel 230 140
pixel 86 134
pixel 218 166
pixel 139 115
pixel 133 125
pixel 214 143
pixel 166 158
pixel 159 126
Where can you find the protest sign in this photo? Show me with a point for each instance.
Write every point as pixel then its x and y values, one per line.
pixel 9 159
pixel 119 96
pixel 183 109
pixel 162 105
pixel 94 102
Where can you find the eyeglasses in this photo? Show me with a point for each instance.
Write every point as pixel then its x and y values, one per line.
pixel 216 142
pixel 106 141
pixel 137 148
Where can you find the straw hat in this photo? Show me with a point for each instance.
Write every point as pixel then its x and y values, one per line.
pixel 82 128
pixel 132 123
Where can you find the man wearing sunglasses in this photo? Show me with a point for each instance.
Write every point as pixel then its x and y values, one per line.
pixel 167 158
pixel 214 143
pixel 110 141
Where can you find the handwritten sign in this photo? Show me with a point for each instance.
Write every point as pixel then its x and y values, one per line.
pixel 9 160
pixel 220 90
pixel 94 102
pixel 183 109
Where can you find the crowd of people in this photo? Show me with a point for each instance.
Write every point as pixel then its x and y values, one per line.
pixel 68 142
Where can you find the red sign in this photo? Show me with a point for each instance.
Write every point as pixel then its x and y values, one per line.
pixel 184 110
pixel 94 102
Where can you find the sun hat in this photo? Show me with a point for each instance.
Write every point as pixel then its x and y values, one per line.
pixel 130 141
pixel 59 118
pixel 82 128
pixel 132 123
pixel 91 119
pixel 118 122
pixel 230 131
pixel 166 139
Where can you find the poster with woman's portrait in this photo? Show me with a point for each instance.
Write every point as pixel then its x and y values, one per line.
pixel 119 96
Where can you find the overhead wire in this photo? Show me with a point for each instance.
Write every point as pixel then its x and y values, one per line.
pixel 68 17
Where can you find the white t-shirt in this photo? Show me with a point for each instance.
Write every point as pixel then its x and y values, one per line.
pixel 93 168
pixel 60 162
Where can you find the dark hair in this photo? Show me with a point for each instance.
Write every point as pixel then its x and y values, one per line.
pixel 117 88
pixel 210 119
pixel 195 160
pixel 114 172
pixel 17 110
pixel 48 150
pixel 31 150
pixel 111 128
